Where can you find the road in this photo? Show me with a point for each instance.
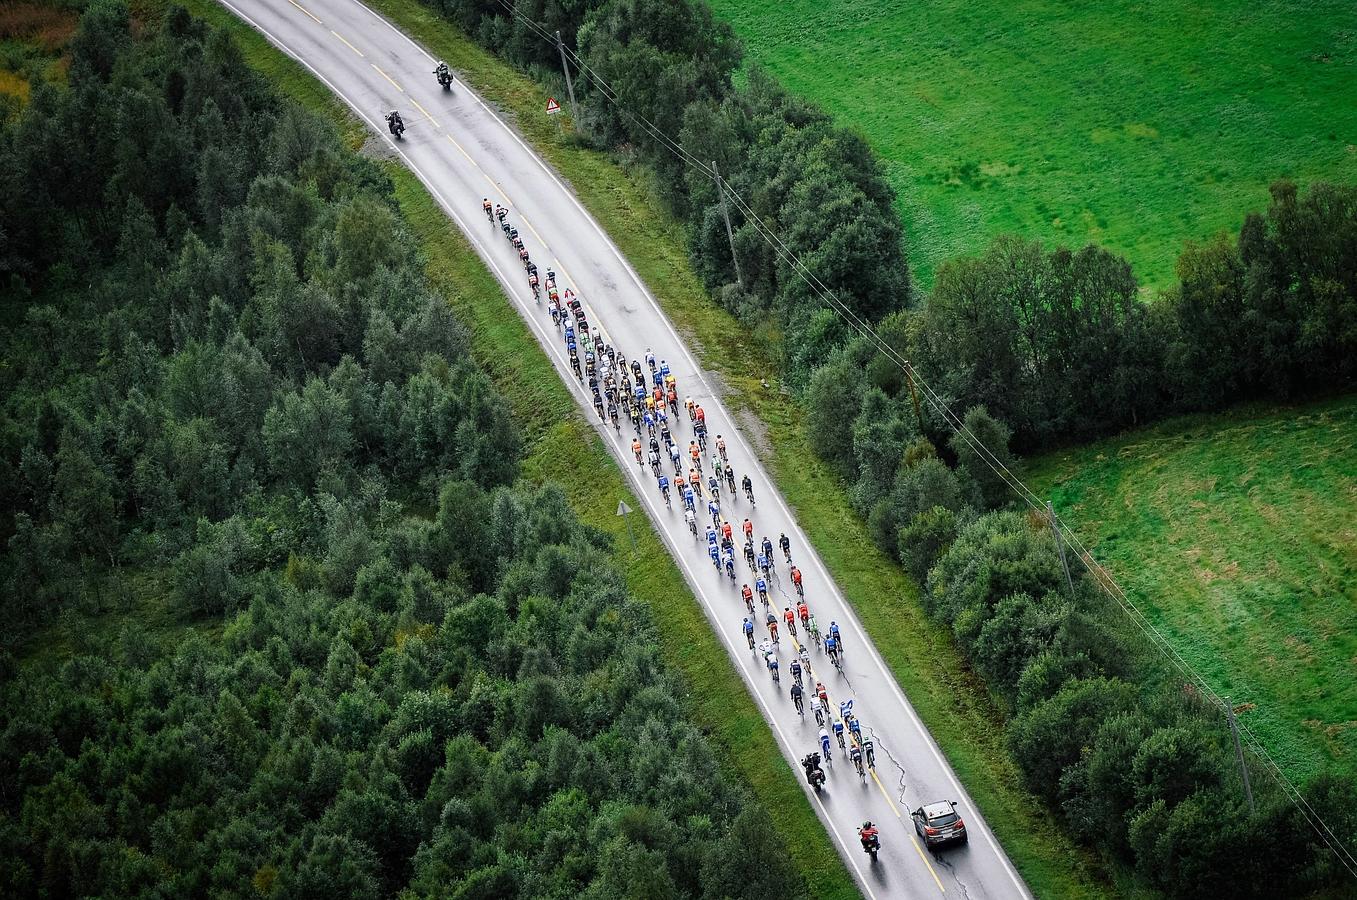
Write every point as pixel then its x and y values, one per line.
pixel 463 152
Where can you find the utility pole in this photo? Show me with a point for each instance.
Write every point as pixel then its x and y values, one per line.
pixel 1060 546
pixel 730 232
pixel 569 85
pixel 1239 753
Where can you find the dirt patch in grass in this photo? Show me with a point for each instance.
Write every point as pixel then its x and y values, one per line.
pixel 46 27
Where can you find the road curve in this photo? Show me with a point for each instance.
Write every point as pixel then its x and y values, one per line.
pixel 463 152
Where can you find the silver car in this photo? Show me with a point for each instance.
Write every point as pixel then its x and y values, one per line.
pixel 938 823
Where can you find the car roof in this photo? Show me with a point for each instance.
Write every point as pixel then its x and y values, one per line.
pixel 940 808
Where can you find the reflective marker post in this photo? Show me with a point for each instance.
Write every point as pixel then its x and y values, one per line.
pixel 622 510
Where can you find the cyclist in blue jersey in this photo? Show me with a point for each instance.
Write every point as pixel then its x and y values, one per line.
pixel 824 745
pixel 761 585
pixel 838 733
pixel 715 556
pixel 715 509
pixel 834 633
pixel 728 560
pixel 749 632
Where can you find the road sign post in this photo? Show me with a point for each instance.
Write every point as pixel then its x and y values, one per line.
pixel 622 510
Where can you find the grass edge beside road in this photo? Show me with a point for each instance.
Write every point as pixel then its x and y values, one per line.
pixel 954 705
pixel 559 442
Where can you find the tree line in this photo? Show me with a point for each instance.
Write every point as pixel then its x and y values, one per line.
pixel 229 388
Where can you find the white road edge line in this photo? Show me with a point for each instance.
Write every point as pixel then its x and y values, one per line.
pixel 578 389
pixel 636 278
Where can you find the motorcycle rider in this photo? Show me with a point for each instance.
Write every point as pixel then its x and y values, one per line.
pixel 443 73
pixel 395 124
pixel 871 840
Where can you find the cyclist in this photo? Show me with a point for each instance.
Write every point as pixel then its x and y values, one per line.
pixel 790 618
pixel 714 486
pixel 761 586
pixel 748 596
pixel 730 480
pixel 748 487
pixel 695 480
pixel 636 448
pixel 749 632
pixel 817 708
pixel 695 453
pixel 796 582
pixel 676 458
pixel 814 629
pixel 772 627
pixel 664 368
pixel 834 633
pixel 796 698
pixel 710 534
pixel 822 693
pixel 650 359
pixel 726 530
pixel 664 487
pixel 855 729
pixel 485 204
pixel 762 562
pixel 689 500
pixel 691 520
pixel 768 549
pixel 699 415
pixel 770 660
pixel 796 669
pixel 824 744
pixel 721 446
pixel 803 612
pixel 870 752
pixel 689 405
pixel 846 709
pixel 715 556
pixel 856 756
pixel 785 543
pixel 838 733
pixel 748 527
pixel 649 419
pixel 832 650
pixel 728 560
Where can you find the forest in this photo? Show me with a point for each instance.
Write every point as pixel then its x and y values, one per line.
pixel 398 668
pixel 1032 347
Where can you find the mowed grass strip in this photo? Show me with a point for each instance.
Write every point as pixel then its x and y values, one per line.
pixel 1134 125
pixel 955 707
pixel 1237 535
pixel 562 448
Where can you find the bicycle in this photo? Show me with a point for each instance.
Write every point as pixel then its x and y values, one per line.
pixel 814 631
pixel 857 761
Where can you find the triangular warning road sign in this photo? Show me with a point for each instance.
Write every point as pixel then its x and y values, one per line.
pixel 552 106
pixel 622 508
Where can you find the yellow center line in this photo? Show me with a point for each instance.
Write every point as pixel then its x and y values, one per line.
pixel 307 11
pixel 346 43
pixel 886 794
pixel 924 856
pixel 388 78
pixel 426 113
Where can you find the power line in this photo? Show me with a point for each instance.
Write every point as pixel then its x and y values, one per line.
pixel 1097 572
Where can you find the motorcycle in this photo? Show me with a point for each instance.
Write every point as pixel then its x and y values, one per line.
pixel 444 77
pixel 815 776
pixel 871 844
pixel 395 125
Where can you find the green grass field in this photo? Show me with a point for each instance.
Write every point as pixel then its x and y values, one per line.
pixel 1134 124
pixel 1237 535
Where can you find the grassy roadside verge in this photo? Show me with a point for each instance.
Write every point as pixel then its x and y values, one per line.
pixel 956 707
pixel 559 442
